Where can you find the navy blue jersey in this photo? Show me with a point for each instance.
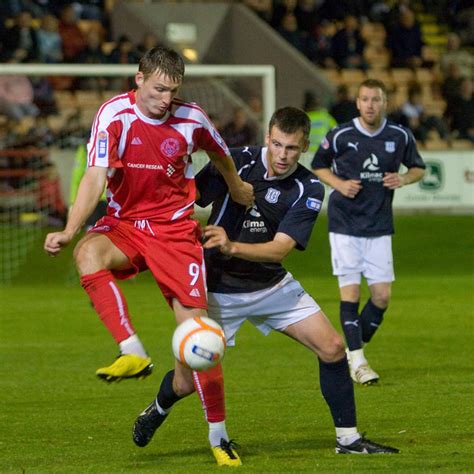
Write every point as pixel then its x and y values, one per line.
pixel 353 153
pixel 288 204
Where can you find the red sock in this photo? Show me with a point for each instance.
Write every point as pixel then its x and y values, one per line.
pixel 109 302
pixel 210 388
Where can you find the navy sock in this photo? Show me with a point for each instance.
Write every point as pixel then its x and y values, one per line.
pixel 371 318
pixel 167 397
pixel 350 324
pixel 338 391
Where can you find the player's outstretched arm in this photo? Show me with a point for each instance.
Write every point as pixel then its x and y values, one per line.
pixel 347 187
pixel 241 191
pixel 397 180
pixel 273 251
pixel 88 195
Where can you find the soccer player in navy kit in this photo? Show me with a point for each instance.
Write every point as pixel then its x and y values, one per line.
pixel 246 280
pixel 360 160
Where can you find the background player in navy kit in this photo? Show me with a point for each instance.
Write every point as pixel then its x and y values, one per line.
pixel 361 160
pixel 246 280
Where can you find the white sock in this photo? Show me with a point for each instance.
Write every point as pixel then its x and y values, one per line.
pixel 132 345
pixel 162 411
pixel 357 358
pixel 217 431
pixel 346 436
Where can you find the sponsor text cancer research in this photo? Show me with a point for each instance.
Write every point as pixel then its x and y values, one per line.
pixel 146 166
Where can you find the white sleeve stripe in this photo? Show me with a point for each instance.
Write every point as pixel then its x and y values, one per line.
pixel 300 185
pixel 336 135
pixel 400 130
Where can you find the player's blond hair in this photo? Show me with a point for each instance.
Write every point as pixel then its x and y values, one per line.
pixel 373 84
pixel 164 60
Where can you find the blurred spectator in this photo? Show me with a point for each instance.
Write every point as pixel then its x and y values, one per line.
pixel 404 41
pixel 256 106
pixel 93 54
pixel 280 9
pixel 394 112
pixel 50 199
pixel 16 98
pixel 239 132
pixel 348 45
pixel 464 21
pixel 344 109
pixel 262 8
pixel 306 13
pixel 123 53
pixel 418 121
pixel 319 46
pixel 454 54
pixel 460 111
pixel 43 95
pixel 21 40
pixel 451 86
pixel 290 32
pixel 337 10
pixel 321 120
pixel 148 41
pixel 73 40
pixel 49 40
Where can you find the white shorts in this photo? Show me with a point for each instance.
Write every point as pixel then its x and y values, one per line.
pixel 275 308
pixel 353 257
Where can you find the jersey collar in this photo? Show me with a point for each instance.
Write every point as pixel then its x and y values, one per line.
pixel 361 129
pixel 148 119
pixel 275 178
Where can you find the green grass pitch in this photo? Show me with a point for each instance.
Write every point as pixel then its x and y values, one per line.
pixel 55 416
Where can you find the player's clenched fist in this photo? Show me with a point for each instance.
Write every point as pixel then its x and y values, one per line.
pixel 350 188
pixel 216 236
pixel 393 180
pixel 55 241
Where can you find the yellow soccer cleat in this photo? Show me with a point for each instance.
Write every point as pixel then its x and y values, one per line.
pixel 225 454
pixel 126 366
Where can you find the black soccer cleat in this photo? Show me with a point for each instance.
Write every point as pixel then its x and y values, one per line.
pixel 149 420
pixel 365 446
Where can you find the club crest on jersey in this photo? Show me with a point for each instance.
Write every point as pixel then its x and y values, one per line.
pixel 314 204
pixel 389 147
pixel 272 195
pixel 170 147
pixel 102 145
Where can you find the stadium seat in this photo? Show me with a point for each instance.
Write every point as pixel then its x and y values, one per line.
pixel 402 76
pixel 352 76
pixel 332 75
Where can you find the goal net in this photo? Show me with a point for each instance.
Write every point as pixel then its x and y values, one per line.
pixel 39 152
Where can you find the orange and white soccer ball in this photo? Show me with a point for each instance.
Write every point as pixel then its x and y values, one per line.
pixel 199 343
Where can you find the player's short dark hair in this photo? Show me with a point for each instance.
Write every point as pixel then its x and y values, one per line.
pixel 163 59
pixel 373 84
pixel 291 120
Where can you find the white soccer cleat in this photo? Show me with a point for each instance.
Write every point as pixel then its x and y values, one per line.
pixel 364 375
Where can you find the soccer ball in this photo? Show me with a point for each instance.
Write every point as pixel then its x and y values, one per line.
pixel 199 343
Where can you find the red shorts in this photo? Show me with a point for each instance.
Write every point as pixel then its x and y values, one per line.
pixel 172 252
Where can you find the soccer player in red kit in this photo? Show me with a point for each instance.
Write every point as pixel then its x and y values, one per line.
pixel 140 148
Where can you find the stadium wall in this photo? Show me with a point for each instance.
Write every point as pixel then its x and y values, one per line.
pixel 448 185
pixel 226 33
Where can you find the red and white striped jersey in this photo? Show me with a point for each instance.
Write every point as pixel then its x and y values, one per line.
pixel 150 172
